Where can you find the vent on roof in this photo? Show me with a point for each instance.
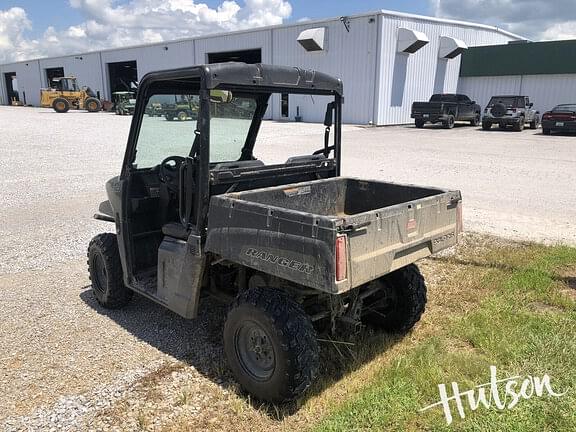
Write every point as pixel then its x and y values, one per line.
pixel 410 41
pixel 312 39
pixel 451 47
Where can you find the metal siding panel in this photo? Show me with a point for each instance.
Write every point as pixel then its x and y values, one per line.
pixel 150 58
pixel 350 56
pixel 422 66
pixel 545 91
pixel 28 77
pixel 85 67
pixel 481 89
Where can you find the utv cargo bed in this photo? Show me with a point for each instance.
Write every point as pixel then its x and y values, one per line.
pixel 333 234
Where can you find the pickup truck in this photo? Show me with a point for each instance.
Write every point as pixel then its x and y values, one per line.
pixel 446 109
pixel 294 248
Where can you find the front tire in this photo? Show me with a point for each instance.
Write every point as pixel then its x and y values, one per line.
pixel 61 105
pixel 271 345
pixel 106 272
pixel 486 125
pixel 534 123
pixel 182 116
pixel 399 303
pixel 449 122
pixel 475 121
pixel 93 105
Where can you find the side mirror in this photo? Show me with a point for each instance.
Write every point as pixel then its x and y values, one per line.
pixel 328 120
pixel 473 102
pixel 220 96
pixel 530 104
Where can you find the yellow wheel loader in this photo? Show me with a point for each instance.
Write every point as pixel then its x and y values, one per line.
pixel 64 94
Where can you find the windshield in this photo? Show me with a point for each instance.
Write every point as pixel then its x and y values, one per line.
pixel 509 102
pixel 567 107
pixel 169 128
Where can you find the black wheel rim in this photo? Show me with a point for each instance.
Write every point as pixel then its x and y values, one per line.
pixel 99 275
pixel 255 351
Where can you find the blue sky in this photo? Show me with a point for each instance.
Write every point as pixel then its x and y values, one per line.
pixel 59 13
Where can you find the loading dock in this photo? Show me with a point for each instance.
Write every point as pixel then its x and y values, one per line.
pixel 246 56
pixel 51 73
pixel 123 76
pixel 11 87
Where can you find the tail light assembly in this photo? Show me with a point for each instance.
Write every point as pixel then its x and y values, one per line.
pixel 341 257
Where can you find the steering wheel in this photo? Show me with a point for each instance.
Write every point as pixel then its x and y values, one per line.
pixel 169 171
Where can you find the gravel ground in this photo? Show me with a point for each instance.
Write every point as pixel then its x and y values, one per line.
pixel 67 364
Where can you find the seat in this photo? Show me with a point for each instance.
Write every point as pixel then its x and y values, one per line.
pixel 176 230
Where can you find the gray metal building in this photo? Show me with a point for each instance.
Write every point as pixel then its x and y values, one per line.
pixel 386 60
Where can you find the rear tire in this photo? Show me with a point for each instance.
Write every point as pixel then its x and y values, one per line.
pixel 519 127
pixel 546 131
pixel 106 272
pixel 182 116
pixel 449 122
pixel 486 125
pixel 399 303
pixel 92 105
pixel 419 123
pixel 61 105
pixel 271 345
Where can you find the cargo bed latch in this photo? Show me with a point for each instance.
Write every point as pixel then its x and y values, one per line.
pixel 355 229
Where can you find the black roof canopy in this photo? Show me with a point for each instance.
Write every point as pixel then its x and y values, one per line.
pixel 256 76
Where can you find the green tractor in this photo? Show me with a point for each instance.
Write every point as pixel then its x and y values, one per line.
pixel 125 102
pixel 184 108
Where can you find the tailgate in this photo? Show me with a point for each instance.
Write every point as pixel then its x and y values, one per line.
pixel 427 108
pixel 381 241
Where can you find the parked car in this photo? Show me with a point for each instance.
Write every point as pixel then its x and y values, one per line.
pixel 446 109
pixel 515 111
pixel 560 118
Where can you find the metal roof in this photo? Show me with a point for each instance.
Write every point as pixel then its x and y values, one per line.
pixel 292 24
pixel 533 58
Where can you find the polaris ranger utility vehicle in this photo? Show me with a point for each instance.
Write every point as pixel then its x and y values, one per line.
pixel 513 111
pixel 295 248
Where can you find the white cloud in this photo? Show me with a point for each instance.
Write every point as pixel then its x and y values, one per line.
pixel 534 19
pixel 109 24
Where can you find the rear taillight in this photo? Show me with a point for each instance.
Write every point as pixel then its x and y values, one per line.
pixel 513 110
pixel 546 117
pixel 341 258
pixel 459 221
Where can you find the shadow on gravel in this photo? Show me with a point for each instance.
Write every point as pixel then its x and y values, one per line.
pixel 198 343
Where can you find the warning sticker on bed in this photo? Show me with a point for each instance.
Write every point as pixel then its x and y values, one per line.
pixel 304 190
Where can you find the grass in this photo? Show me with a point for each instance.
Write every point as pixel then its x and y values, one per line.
pixel 525 325
pixel 491 302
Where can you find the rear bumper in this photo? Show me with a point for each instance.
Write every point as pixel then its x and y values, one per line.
pixel 432 118
pixel 554 125
pixel 501 120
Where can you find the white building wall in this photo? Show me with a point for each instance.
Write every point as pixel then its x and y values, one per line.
pixel 545 91
pixel 405 78
pixel 85 67
pixel 149 58
pixel 29 82
pixel 349 55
